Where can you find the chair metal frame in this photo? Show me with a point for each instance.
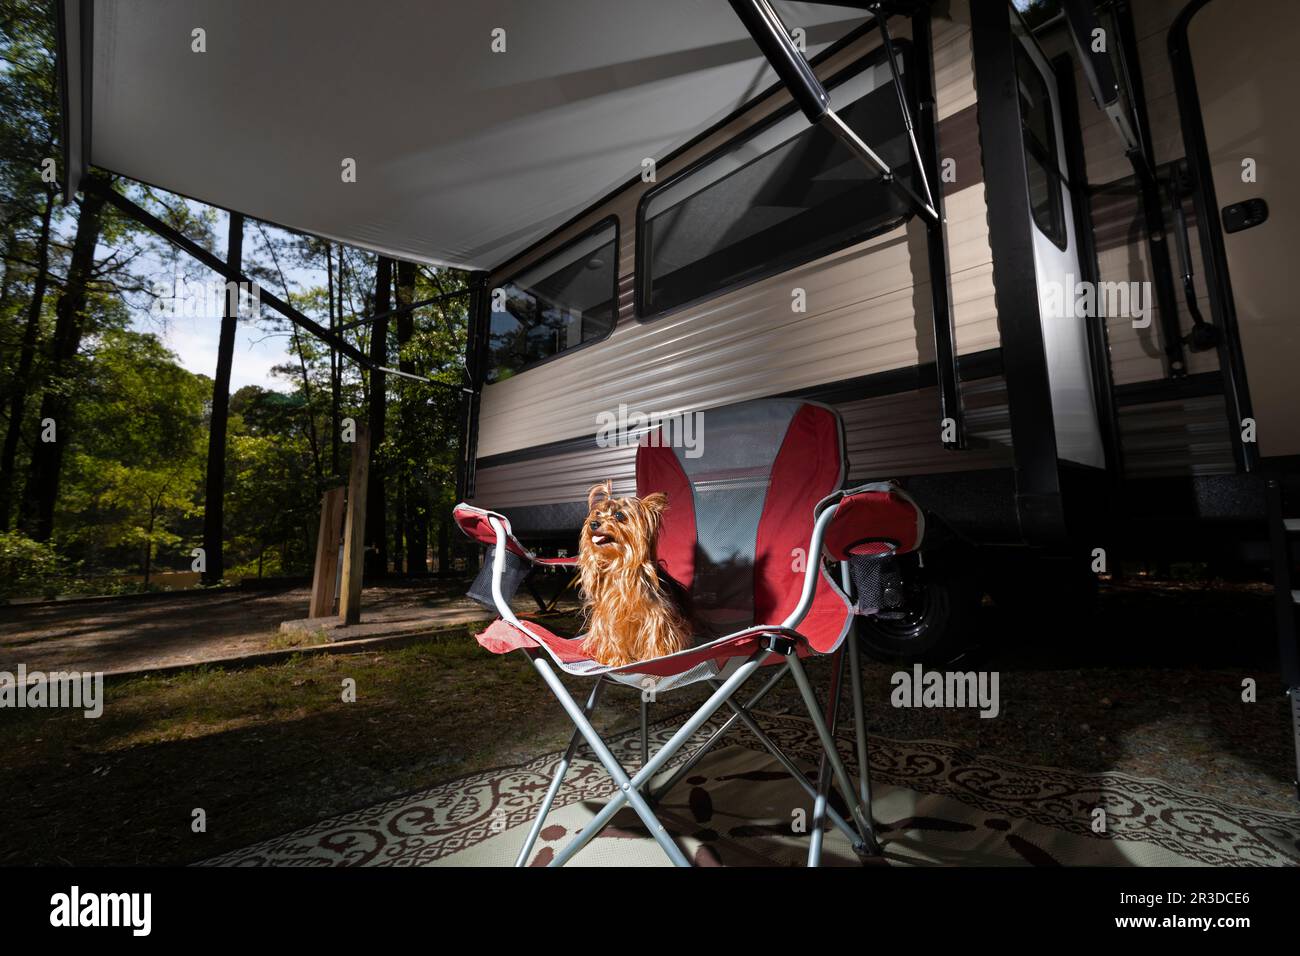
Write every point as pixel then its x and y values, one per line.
pixel 636 790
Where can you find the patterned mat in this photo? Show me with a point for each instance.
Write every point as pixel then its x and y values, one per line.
pixel 935 804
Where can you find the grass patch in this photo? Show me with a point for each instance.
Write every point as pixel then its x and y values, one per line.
pixel 264 750
pixel 283 642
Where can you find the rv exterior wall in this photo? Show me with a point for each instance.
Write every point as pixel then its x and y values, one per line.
pixel 867 312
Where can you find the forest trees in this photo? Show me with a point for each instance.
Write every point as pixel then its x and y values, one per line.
pixel 105 433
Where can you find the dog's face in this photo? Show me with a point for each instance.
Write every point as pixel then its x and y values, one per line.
pixel 620 530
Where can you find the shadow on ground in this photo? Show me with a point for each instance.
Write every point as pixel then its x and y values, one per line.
pixel 1151 686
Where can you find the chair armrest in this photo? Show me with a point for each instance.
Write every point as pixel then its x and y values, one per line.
pixel 477 524
pixel 872 519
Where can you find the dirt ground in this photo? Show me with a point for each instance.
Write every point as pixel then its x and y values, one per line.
pixel 1151 686
pixel 126 635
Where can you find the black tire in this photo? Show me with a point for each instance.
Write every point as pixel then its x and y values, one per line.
pixel 936 623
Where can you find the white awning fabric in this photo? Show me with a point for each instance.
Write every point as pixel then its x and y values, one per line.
pixel 463 155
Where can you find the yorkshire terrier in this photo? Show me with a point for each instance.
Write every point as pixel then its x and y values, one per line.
pixel 631 616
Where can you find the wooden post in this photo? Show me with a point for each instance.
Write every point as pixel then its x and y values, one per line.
pixel 354 547
pixel 324 581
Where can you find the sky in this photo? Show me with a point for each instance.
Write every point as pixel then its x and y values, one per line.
pixel 193 334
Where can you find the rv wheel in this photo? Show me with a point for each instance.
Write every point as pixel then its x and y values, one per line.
pixel 934 622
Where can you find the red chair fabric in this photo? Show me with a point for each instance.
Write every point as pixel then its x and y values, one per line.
pixel 803 472
pixel 874 521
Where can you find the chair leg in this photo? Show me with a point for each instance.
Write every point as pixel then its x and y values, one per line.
pixel 645 730
pixel 742 713
pixel 630 789
pixel 861 819
pixel 537 596
pixel 859 720
pixel 554 602
pixel 855 688
pixel 557 780
pixel 680 773
pixel 821 802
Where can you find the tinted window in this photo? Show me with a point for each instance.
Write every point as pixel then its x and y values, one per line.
pixel 781 197
pixel 1042 162
pixel 564 301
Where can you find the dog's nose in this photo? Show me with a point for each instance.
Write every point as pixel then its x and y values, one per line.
pixel 595 526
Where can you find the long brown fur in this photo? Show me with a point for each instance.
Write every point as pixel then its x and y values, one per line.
pixel 630 615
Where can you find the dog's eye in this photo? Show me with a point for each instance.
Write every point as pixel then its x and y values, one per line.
pixel 619 516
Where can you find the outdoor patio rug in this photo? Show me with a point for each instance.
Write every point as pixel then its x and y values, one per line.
pixel 936 805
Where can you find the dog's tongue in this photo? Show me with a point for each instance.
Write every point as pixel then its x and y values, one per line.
pixel 599 539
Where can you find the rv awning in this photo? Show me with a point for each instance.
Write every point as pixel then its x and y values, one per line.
pixel 463 155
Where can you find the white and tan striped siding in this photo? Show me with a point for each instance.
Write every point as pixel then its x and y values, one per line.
pixel 868 310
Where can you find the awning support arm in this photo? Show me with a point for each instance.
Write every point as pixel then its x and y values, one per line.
pixel 187 245
pixel 887 41
pixel 774 40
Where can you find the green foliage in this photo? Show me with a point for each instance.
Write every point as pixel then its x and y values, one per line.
pixel 27 567
pixel 136 454
pixel 134 430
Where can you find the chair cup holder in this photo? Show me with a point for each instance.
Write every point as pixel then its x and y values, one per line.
pixel 512 576
pixel 877 584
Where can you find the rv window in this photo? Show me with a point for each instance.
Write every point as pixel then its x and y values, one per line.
pixel 1042 162
pixel 567 300
pixel 784 195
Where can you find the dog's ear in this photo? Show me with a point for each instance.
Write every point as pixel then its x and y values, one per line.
pixel 600 492
pixel 655 503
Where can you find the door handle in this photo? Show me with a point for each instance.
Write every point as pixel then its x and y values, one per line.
pixel 1244 214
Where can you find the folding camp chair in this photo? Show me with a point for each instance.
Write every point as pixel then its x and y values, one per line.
pixel 751 525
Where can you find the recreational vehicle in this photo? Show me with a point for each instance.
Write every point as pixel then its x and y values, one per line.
pixel 1093 363
pixel 1034 253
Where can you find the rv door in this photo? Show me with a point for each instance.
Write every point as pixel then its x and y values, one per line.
pixel 1247 71
pixel 1064 307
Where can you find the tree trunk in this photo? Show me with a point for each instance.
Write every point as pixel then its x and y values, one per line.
pixel 444 546
pixel 399 526
pixel 42 490
pixel 26 357
pixel 376 520
pixel 215 485
pixel 148 550
pixel 414 516
pixel 334 356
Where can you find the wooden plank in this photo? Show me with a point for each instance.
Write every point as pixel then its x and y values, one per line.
pixel 354 548
pixel 325 579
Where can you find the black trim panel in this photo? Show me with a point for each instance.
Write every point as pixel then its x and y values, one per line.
pixel 1200 385
pixel 976 504
pixel 1038 490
